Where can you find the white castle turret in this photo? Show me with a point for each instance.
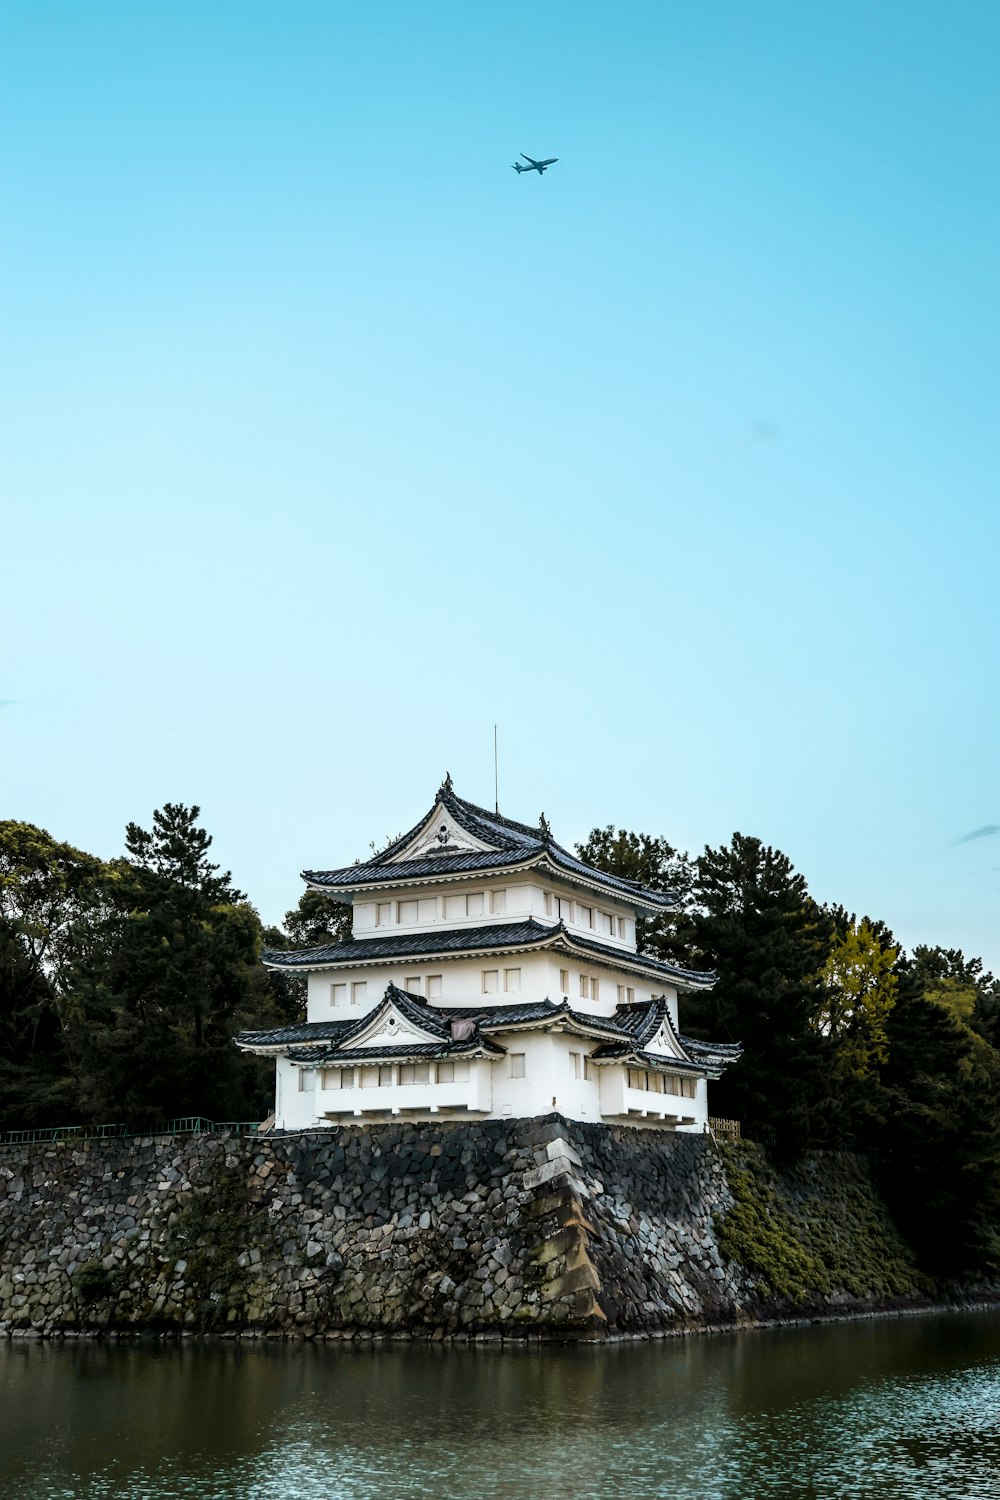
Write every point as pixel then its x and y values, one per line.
pixel 490 974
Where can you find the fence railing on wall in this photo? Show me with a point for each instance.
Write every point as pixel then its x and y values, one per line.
pixel 730 1128
pixel 185 1125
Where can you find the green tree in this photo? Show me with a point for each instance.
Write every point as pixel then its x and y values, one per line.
pixel 161 983
pixel 49 892
pixel 755 923
pixel 858 991
pixel 654 863
pixel 941 1132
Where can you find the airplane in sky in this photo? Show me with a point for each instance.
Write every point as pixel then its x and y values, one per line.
pixel 535 166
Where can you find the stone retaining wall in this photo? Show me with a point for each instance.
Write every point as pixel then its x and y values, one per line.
pixel 542 1227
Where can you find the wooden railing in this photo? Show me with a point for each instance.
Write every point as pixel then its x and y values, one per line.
pixel 730 1128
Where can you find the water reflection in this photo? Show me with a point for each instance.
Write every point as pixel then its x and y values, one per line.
pixel 889 1409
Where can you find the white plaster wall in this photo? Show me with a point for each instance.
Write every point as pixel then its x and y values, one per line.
pixel 522 899
pixel 462 984
pixel 491 1093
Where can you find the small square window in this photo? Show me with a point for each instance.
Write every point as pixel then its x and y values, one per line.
pixel 427 909
pixel 446 1072
pixel 369 1078
pixel 511 981
pixel 406 1073
pixel 383 914
pixel 385 1075
pixel 491 981
pixel 407 912
pixel 338 994
pixel 454 908
pixel 359 991
pixel 347 1078
pixel 421 1072
pixel 474 905
pixel 412 985
pixel 517 1065
pixel 434 984
pixel 498 902
pixel 305 1080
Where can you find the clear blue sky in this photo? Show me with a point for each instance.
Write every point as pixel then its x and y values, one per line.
pixel 328 440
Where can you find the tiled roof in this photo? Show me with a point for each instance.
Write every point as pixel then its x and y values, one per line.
pixel 333 1057
pixel 289 1036
pixel 627 1034
pixel 510 843
pixel 509 936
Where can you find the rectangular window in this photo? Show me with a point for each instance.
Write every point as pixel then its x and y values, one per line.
pixel 498 902
pixel 517 1064
pixel 630 996
pixel 421 1072
pixel 549 904
pixel 359 991
pixel 491 981
pixel 434 983
pixel 385 1076
pixel 331 1078
pixel 427 909
pixel 621 994
pixel 589 1069
pixel 585 916
pixel 454 908
pixel 607 923
pixel 407 913
pixel 595 989
pixel 636 1078
pixel 574 1064
pixel 446 1072
pixel 406 1073
pixel 564 909
pixel 474 905
pixel 564 981
pixel 656 1083
pixel 383 914
pixel 338 994
pixel 305 1080
pixel 347 1078
pixel 671 1084
pixel 687 1087
pixel 511 981
pixel 584 987
pixel 369 1078
pixel 412 985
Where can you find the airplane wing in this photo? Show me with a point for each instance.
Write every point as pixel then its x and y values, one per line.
pixel 534 163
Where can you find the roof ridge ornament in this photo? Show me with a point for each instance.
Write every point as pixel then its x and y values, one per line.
pixel 544 830
pixel 446 786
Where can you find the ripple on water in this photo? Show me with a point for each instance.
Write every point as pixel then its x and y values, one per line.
pixel 892 1411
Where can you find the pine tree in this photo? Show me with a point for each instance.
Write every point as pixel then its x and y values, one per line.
pixel 755 923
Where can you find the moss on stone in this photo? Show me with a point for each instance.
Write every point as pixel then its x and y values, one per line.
pixel 815 1232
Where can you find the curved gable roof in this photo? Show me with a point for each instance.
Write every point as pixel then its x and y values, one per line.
pixel 497 844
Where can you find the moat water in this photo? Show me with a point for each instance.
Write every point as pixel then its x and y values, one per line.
pixel 890 1408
